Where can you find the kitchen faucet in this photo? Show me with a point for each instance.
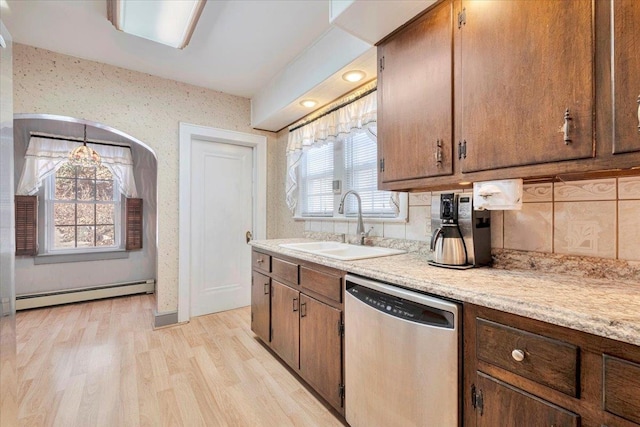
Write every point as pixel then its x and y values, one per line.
pixel 360 229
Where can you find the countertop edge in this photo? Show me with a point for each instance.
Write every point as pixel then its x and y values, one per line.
pixel 619 330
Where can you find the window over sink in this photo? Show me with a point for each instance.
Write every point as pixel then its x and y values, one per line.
pixel 334 150
pixel 352 162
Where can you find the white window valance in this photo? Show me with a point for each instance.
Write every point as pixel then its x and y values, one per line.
pixel 45 156
pixel 358 116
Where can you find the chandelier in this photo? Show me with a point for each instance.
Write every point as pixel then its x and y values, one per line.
pixel 84 156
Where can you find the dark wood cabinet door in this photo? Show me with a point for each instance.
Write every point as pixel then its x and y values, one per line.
pixel 261 305
pixel 523 64
pixel 415 99
pixel 626 75
pixel 507 406
pixel 285 323
pixel 321 348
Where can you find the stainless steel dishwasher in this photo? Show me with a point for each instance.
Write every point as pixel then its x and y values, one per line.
pixel 401 357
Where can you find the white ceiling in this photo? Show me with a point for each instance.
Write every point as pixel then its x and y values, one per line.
pixel 241 47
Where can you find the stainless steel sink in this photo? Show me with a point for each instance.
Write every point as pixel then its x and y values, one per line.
pixel 342 251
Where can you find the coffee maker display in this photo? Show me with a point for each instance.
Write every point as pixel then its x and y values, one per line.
pixel 461 236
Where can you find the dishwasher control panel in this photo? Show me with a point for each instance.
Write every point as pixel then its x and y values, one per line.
pixel 402 308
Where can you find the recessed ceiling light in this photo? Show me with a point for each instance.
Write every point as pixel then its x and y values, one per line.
pixel 168 22
pixel 309 103
pixel 353 76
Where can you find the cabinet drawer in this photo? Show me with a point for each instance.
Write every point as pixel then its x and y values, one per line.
pixel 550 362
pixel 622 388
pixel 260 261
pixel 287 271
pixel 321 283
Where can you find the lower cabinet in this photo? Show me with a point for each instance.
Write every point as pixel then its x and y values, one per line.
pixel 321 348
pixel 504 405
pixel 261 305
pixel 296 309
pixel 285 323
pixel 523 372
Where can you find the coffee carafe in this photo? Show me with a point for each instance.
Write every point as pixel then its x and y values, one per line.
pixel 447 243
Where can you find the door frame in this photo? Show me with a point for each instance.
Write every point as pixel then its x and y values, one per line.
pixel 188 133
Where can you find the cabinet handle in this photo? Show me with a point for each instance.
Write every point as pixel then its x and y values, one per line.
pixel 295 304
pixel 260 261
pixel 266 289
pixel 303 309
pixel 566 127
pixel 638 113
pixel 438 152
pixel 518 355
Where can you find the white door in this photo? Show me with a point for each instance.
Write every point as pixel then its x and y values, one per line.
pixel 221 214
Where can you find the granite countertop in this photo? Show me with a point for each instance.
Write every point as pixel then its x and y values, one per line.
pixel 607 308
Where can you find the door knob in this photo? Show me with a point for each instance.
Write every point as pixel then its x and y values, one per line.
pixel 248 236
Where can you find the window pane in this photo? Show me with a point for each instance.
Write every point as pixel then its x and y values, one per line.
pixel 85 236
pixel 66 171
pixel 65 237
pixel 105 235
pixel 105 214
pixel 86 213
pixel 104 191
pixel 65 189
pixel 86 189
pixel 64 213
pixel 316 186
pixel 361 174
pixel 87 217
pixel 89 173
pixel 103 173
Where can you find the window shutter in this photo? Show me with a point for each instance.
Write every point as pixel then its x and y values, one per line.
pixel 134 224
pixel 26 225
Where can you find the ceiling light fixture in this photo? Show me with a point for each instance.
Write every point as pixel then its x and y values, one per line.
pixel 169 22
pixel 354 76
pixel 308 103
pixel 84 156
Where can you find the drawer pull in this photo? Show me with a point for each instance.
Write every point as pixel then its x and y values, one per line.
pixel 266 288
pixel 260 261
pixel 518 355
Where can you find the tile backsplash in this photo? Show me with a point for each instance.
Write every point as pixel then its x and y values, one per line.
pixel 594 218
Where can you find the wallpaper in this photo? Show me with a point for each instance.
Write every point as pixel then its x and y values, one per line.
pixel 146 107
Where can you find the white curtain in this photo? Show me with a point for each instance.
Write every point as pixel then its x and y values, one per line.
pixel 355 117
pixel 45 156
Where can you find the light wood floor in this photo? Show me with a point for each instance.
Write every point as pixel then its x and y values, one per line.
pixel 101 364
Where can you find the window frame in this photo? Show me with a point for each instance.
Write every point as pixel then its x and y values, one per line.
pixel 339 173
pixel 49 221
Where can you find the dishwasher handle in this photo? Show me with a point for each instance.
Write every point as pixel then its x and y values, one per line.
pixel 404 310
pixel 404 293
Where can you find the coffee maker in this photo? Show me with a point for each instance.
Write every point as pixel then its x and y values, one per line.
pixel 461 236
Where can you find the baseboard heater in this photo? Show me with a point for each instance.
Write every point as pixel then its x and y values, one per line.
pixel 45 299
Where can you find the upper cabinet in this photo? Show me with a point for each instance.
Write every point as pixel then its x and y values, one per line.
pixel 531 89
pixel 626 75
pixel 525 82
pixel 415 99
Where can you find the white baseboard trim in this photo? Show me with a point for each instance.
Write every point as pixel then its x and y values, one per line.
pixel 45 299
